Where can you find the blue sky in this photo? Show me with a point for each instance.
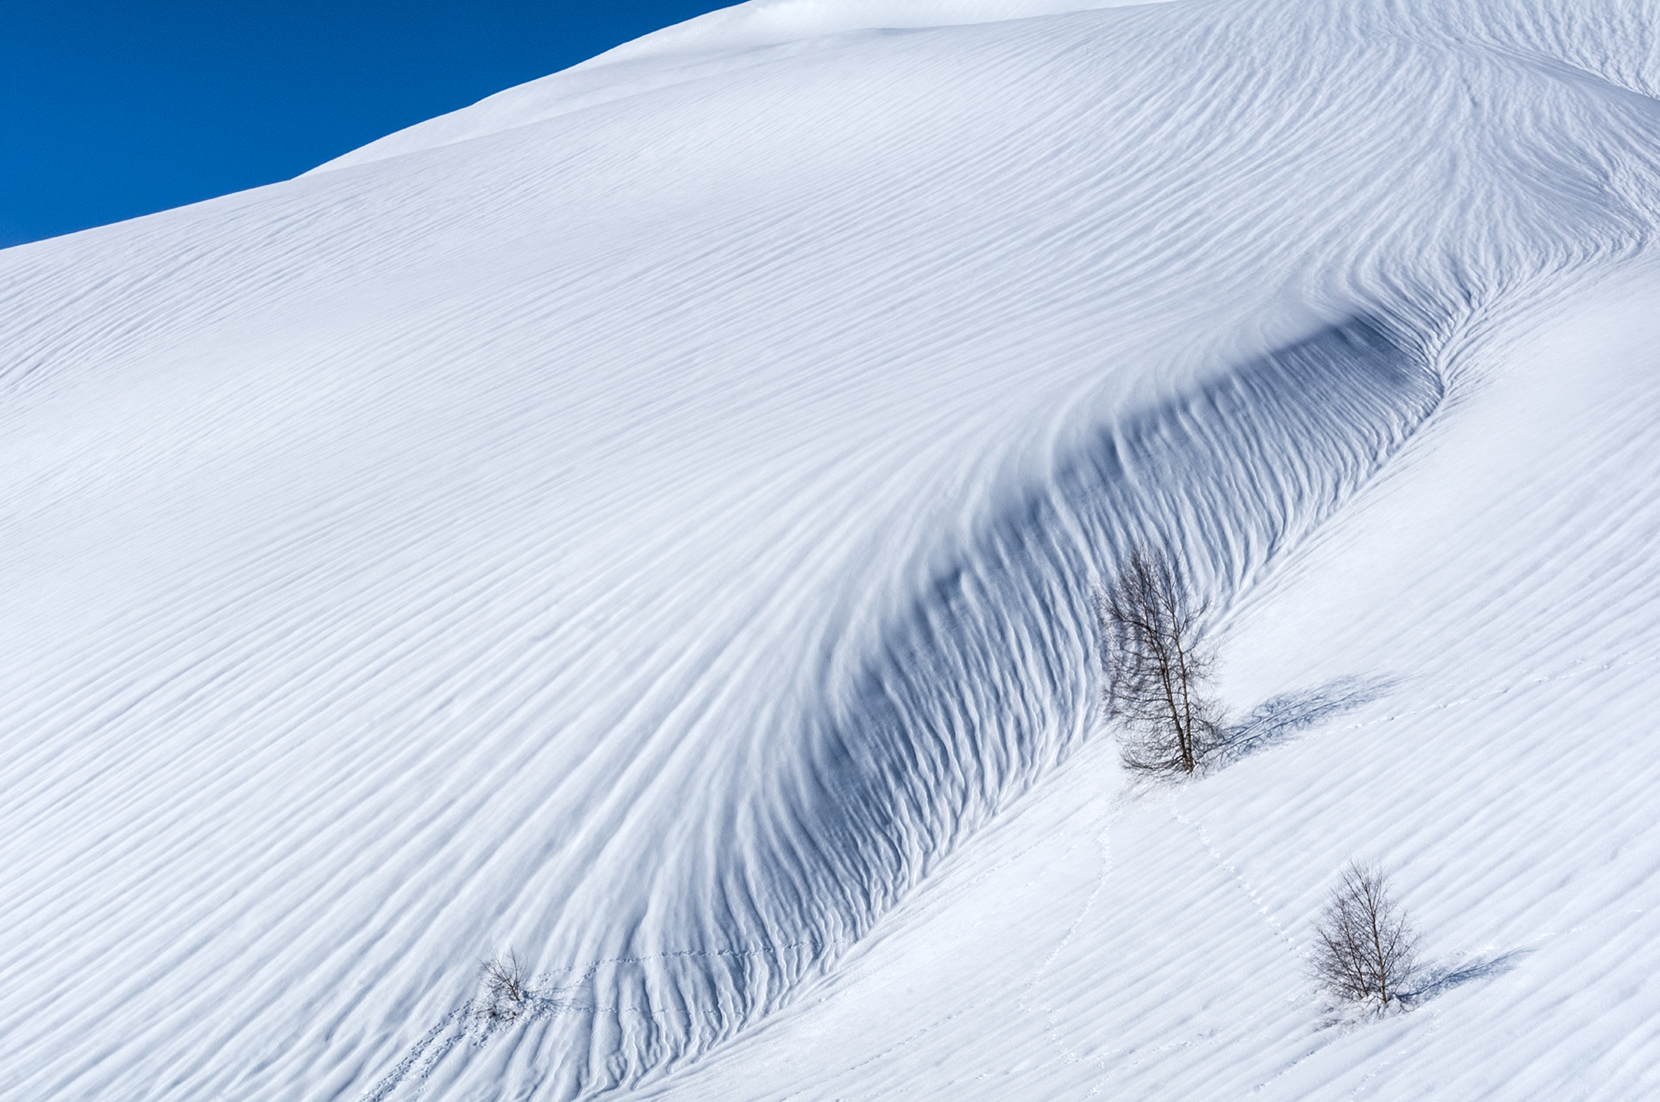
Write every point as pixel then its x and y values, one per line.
pixel 110 109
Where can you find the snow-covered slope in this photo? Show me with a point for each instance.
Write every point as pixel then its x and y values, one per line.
pixel 647 520
pixel 748 34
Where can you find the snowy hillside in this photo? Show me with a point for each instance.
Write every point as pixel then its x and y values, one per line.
pixel 647 522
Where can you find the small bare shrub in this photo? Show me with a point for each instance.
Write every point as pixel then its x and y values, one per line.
pixel 506 988
pixel 1153 669
pixel 1365 949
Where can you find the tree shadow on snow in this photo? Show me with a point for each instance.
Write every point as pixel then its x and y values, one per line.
pixel 1431 982
pixel 1436 981
pixel 1277 719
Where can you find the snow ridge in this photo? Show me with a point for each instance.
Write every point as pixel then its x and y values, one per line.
pixel 926 739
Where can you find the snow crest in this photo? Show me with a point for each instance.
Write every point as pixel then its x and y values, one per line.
pixel 925 740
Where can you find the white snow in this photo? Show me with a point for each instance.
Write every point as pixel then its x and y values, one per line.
pixel 647 521
pixel 746 34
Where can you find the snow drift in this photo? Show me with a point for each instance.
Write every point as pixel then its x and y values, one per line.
pixel 647 521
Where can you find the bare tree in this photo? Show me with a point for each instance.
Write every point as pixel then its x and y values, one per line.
pixel 1154 671
pixel 1364 950
pixel 506 989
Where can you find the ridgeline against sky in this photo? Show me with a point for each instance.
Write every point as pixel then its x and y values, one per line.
pixel 113 110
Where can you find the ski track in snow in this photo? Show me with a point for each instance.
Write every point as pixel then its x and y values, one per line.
pixel 647 520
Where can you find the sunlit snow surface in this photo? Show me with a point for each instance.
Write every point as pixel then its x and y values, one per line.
pixel 647 521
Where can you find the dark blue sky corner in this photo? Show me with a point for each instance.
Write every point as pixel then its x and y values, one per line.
pixel 112 110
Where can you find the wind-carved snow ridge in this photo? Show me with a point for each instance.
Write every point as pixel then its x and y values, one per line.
pixel 937 731
pixel 940 725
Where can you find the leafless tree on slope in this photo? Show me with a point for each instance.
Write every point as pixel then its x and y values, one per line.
pixel 1154 672
pixel 506 989
pixel 1365 950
